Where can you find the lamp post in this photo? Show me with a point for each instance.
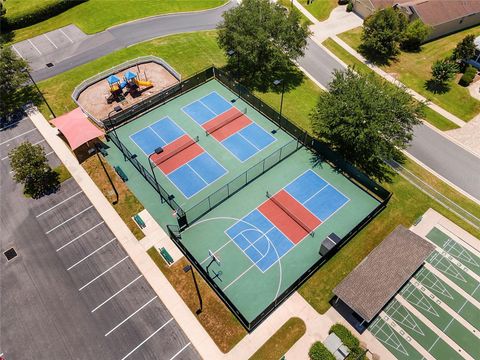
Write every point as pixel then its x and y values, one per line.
pixel 231 53
pixel 187 269
pixel 108 175
pixel 110 122
pixel 157 151
pixel 276 83
pixel 41 94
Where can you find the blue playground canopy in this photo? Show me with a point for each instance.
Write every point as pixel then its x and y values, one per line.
pixel 130 75
pixel 112 79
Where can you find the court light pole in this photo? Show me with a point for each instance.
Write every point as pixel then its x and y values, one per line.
pixel 276 83
pixel 157 151
pixel 230 53
pixel 38 89
pixel 110 121
pixel 186 269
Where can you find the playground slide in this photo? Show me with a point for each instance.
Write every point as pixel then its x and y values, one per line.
pixel 143 83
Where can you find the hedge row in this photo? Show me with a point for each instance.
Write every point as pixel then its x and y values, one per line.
pixel 349 340
pixel 38 15
pixel 318 351
pixel 468 76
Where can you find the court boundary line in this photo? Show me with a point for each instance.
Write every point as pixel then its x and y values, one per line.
pixel 149 127
pixel 209 108
pixel 195 121
pixel 455 237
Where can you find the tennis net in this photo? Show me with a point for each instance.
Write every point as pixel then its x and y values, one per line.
pixel 292 215
pixel 169 154
pixel 225 122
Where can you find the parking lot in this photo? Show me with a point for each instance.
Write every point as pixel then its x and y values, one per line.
pixel 72 273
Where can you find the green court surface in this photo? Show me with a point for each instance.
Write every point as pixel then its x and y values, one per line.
pixel 420 332
pixel 442 320
pixel 396 344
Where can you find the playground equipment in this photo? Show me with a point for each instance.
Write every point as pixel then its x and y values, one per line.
pixel 130 80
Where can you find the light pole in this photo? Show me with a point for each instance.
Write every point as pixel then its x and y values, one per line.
pixel 276 83
pixel 157 151
pixel 187 269
pixel 231 53
pixel 110 121
pixel 108 175
pixel 41 94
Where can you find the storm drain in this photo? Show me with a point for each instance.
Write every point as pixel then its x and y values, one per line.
pixel 49 64
pixel 10 254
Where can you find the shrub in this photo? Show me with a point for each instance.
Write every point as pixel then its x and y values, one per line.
pixel 350 6
pixel 318 351
pixel 444 70
pixel 349 340
pixel 468 76
pixel 414 35
pixel 465 49
pixel 40 14
pixel 343 2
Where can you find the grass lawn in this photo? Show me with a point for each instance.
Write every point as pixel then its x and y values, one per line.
pixel 63 173
pixel 19 8
pixel 321 9
pixel 434 118
pixel 97 15
pixel 217 320
pixel 280 342
pixel 288 4
pixel 414 69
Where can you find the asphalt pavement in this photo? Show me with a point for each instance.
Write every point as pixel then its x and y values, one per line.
pixel 72 292
pixel 447 159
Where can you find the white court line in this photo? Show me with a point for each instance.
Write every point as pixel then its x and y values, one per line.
pixel 148 338
pixel 56 47
pixel 201 178
pixel 15 137
pixel 178 353
pixel 255 146
pixel 79 236
pixel 50 153
pixel 86 257
pixel 60 203
pixel 73 217
pixel 238 277
pixel 220 248
pixel 103 273
pixel 34 47
pixel 136 311
pixel 118 292
pixel 18 52
pixel 66 35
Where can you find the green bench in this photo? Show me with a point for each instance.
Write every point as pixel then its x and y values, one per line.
pixel 139 221
pixel 120 173
pixel 168 258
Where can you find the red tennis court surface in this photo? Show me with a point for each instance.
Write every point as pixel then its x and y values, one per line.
pixel 283 221
pixel 169 160
pixel 234 121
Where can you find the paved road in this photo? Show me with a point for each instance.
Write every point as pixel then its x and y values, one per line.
pixel 437 152
pixel 72 292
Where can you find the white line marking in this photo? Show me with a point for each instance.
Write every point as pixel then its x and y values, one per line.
pixel 201 178
pixel 18 52
pixel 148 338
pixel 178 353
pixel 15 137
pixel 56 47
pixel 60 203
pixel 66 35
pixel 103 273
pixel 73 217
pixel 34 46
pixel 220 248
pixel 238 277
pixel 136 311
pixel 255 146
pixel 86 257
pixel 118 292
pixel 79 236
pixel 50 153
pixel 10 125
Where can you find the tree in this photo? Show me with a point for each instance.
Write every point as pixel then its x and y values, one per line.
pixel 465 49
pixel 414 35
pixel 382 32
pixel 262 39
pixel 366 120
pixel 443 71
pixel 30 168
pixel 13 79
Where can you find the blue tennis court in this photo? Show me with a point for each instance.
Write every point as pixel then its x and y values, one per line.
pixel 272 229
pixel 183 161
pixel 228 125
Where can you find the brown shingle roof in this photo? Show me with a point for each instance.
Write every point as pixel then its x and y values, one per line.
pixel 369 287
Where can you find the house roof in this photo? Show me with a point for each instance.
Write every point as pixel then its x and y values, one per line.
pixel 371 285
pixel 435 12
pixel 76 128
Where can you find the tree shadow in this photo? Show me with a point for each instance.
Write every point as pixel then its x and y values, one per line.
pixel 374 57
pixel 437 87
pixel 47 184
pixel 6 36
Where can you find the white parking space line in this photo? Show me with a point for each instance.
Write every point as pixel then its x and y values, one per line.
pixel 136 311
pixel 66 221
pixel 103 273
pixel 51 42
pixel 60 203
pixel 17 136
pixel 31 43
pixel 18 52
pixel 118 292
pixel 79 236
pixel 66 36
pixel 180 351
pixel 148 338
pixel 86 257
